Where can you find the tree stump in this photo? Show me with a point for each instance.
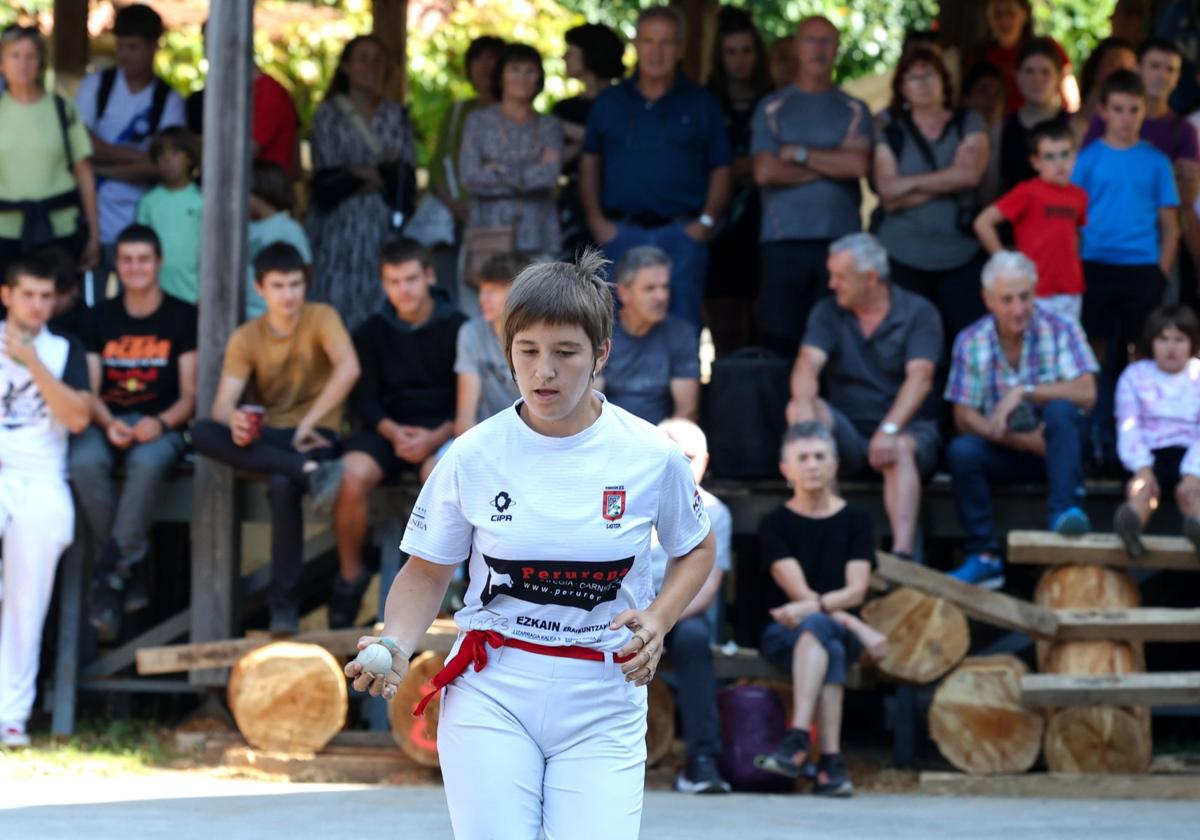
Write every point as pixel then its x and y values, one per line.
pixel 418 737
pixel 288 697
pixel 977 721
pixel 926 636
pixel 1098 739
pixel 1093 739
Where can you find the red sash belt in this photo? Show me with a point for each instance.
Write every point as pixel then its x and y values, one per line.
pixel 474 650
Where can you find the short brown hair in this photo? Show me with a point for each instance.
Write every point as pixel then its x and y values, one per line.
pixel 1122 81
pixel 1178 315
pixel 921 55
pixel 562 293
pixel 179 138
pixel 502 268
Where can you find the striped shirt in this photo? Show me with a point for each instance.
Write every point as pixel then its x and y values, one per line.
pixel 1055 350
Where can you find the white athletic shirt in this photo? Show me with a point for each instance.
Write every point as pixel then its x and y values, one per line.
pixel 126 122
pixel 32 442
pixel 557 529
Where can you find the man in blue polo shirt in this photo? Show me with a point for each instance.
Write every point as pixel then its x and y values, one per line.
pixel 656 162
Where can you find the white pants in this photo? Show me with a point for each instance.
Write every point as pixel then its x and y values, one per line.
pixel 538 743
pixel 37 522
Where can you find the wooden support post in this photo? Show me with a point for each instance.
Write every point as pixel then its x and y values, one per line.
pixel 978 603
pixel 1167 689
pixel 70 618
pixel 222 292
pixel 390 19
pixel 697 16
pixel 70 41
pixel 1042 548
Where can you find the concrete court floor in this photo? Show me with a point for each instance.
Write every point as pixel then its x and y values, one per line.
pixel 181 806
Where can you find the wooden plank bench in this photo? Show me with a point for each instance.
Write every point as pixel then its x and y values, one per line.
pixel 389 508
pixel 1167 689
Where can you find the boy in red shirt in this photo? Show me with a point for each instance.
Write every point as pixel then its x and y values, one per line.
pixel 1046 213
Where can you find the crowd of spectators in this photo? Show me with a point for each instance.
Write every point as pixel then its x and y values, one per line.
pixel 1026 231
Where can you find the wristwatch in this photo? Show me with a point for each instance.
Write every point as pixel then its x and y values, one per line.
pixel 707 220
pixel 1027 389
pixel 889 428
pixel 800 156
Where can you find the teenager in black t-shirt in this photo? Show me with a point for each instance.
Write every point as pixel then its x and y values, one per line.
pixel 142 364
pixel 817 551
pixel 404 400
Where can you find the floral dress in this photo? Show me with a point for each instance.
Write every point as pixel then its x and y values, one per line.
pixel 501 163
pixel 346 238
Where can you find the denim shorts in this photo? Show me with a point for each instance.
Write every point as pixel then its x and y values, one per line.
pixel 842 646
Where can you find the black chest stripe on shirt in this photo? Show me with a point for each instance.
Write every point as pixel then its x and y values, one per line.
pixel 563 583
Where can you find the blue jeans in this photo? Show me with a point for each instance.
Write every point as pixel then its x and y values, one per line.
pixel 975 462
pixel 124 519
pixel 689 647
pixel 840 644
pixel 689 264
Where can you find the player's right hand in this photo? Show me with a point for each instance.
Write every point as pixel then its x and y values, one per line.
pixel 377 685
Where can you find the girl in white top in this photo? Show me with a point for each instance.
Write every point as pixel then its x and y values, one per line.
pixel 554 502
pixel 1158 426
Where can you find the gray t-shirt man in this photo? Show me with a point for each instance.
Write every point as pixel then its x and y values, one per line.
pixel 863 374
pixel 639 371
pixel 479 353
pixel 824 208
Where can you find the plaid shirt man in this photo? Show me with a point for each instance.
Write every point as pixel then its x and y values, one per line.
pixel 1055 350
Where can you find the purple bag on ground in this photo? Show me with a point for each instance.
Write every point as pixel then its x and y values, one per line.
pixel 752 723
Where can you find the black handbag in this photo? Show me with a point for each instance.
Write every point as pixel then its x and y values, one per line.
pixel 747 402
pixel 330 187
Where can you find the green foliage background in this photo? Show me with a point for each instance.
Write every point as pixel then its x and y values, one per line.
pixel 304 54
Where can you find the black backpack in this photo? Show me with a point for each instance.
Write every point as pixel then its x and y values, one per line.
pixel 747 406
pixel 108 78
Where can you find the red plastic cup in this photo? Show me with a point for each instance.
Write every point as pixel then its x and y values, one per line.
pixel 257 416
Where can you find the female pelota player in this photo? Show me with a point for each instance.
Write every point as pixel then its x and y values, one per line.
pixel 553 501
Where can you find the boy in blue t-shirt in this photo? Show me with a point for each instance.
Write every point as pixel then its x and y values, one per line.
pixel 1132 234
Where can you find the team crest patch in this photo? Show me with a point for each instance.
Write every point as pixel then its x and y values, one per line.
pixel 614 505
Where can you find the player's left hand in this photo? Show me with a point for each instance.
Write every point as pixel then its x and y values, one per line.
pixel 646 644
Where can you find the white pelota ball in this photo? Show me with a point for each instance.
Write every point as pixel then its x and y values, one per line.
pixel 375 659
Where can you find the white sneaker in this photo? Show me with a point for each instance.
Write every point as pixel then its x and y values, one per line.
pixel 13 736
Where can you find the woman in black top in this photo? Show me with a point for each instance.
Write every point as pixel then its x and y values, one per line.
pixel 818 553
pixel 740 77
pixel 1039 75
pixel 594 57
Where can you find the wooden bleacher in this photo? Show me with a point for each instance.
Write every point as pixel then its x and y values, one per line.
pixel 748 501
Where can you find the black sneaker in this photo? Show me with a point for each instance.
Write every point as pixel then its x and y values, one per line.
pixel 108 604
pixel 285 621
pixel 346 600
pixel 1128 527
pixel 701 776
pixel 837 779
pixel 137 593
pixel 783 761
pixel 323 485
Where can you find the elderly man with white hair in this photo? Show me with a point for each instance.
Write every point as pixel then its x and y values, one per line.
pixel 878 346
pixel 1021 379
pixel 688 645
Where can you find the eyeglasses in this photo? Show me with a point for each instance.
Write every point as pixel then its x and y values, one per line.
pixel 920 78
